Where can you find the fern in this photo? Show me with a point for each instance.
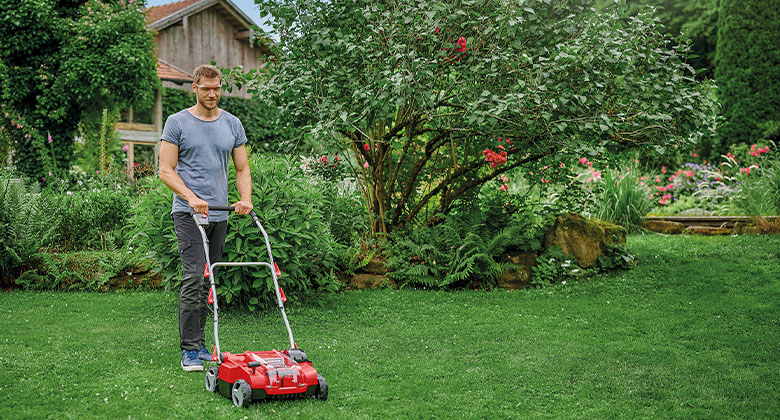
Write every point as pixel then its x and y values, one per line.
pixel 474 260
pixel 456 253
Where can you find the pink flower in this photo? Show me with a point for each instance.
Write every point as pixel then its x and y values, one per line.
pixel 124 148
pixel 694 154
pixel 50 139
pixel 365 164
pixel 324 159
pixel 663 169
pixel 596 175
pixel 584 161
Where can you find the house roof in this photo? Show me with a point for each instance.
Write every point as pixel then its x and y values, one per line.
pixel 158 12
pixel 160 17
pixel 166 71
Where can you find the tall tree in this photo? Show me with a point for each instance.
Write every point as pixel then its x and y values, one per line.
pixel 747 68
pixel 59 59
pixel 435 99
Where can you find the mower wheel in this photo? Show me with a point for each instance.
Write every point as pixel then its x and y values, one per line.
pixel 322 388
pixel 211 378
pixel 242 393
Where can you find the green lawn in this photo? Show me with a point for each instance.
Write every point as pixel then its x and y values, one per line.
pixel 692 332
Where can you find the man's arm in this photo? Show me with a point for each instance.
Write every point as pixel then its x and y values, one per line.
pixel 169 158
pixel 243 180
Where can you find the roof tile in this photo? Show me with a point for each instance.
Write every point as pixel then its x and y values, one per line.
pixel 153 14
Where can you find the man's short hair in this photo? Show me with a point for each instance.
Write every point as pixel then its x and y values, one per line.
pixel 206 70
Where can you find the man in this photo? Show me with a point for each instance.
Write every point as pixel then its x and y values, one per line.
pixel 197 143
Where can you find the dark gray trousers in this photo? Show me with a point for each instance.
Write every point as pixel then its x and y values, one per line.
pixel 194 291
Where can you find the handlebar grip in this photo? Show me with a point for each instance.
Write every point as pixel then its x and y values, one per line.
pixel 222 208
pixel 232 208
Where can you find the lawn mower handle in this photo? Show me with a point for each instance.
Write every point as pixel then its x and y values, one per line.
pixel 231 208
pixel 199 222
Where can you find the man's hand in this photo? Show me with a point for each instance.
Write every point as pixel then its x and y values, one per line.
pixel 243 207
pixel 199 206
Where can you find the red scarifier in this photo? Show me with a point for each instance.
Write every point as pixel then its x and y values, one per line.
pixel 258 375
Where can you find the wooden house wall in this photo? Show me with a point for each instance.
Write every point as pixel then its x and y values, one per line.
pixel 203 37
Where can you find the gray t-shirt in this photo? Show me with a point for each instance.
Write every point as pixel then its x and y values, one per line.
pixel 205 148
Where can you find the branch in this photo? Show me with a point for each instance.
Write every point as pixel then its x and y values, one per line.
pixel 448 199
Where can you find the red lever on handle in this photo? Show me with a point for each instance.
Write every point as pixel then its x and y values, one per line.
pixel 214 357
pixel 211 296
pixel 281 292
pixel 278 271
pixel 206 271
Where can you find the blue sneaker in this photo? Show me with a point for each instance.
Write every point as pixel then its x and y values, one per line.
pixel 204 354
pixel 190 362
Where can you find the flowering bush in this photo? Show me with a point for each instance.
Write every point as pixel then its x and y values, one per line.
pixel 430 86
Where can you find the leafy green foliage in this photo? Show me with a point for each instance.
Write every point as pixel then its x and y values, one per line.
pixel 616 256
pixel 151 234
pixel 554 267
pixel 759 194
pixel 288 205
pixel 76 271
pixel 90 219
pixel 343 209
pixel 622 198
pixel 423 93
pixel 59 61
pixel 694 20
pixel 459 252
pixel 747 67
pixel 262 132
pixel 25 225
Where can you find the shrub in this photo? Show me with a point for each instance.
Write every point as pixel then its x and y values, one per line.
pixel 151 234
pixel 555 267
pixel 24 224
pixel 288 205
pixel 747 67
pixel 622 198
pixel 89 219
pixel 343 207
pixel 459 252
pixel 759 194
pixel 76 271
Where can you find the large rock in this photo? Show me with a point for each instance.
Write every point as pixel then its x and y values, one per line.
pixel 583 239
pixel 709 230
pixel 519 276
pixel 376 265
pixel 664 226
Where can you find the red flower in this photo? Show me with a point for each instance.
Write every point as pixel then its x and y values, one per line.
pixel 461 45
pixel 494 158
pixel 366 147
pixel 437 30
